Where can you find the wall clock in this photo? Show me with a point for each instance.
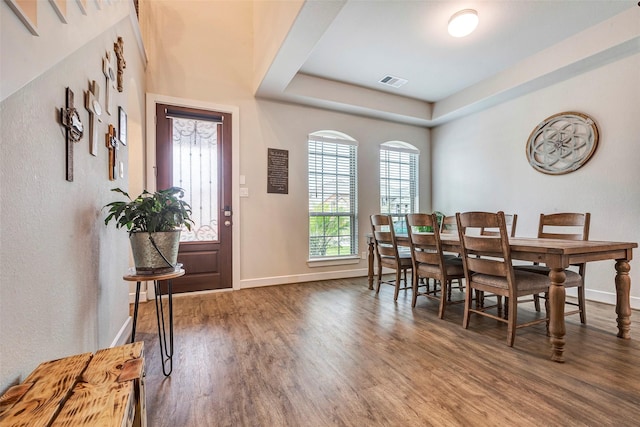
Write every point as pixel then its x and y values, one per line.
pixel 562 143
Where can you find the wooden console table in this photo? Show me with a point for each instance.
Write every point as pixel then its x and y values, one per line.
pixel 101 389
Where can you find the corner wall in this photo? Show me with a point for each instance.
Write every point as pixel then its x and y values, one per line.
pixel 479 163
pixel 61 268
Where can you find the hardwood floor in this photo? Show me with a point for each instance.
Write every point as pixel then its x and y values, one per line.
pixel 333 354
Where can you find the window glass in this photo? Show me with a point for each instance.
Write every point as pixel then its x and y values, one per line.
pixel 398 182
pixel 332 195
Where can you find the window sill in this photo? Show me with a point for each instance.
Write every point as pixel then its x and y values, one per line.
pixel 324 262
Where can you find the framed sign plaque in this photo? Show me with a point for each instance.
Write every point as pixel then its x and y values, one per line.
pixel 277 171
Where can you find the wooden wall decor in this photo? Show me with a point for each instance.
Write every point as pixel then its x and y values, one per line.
pixel 110 76
pixel 113 145
pixel 562 143
pixel 92 104
pixel 60 7
pixel 74 129
pixel 118 47
pixel 27 12
pixel 82 4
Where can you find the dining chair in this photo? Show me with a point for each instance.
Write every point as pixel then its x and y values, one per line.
pixel 449 225
pixel 388 255
pixel 429 261
pixel 511 220
pixel 487 267
pixel 571 226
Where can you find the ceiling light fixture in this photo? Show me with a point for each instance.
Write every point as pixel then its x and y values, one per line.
pixel 463 23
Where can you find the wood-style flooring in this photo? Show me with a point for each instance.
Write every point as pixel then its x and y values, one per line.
pixel 333 353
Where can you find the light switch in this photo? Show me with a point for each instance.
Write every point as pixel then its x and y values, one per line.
pixel 243 180
pixel 244 191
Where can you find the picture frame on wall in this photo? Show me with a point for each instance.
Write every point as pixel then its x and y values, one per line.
pixel 27 12
pixel 122 125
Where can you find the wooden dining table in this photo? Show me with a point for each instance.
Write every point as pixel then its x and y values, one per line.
pixel 558 255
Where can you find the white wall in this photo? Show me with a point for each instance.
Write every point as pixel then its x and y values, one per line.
pixel 61 287
pixel 273 227
pixel 479 163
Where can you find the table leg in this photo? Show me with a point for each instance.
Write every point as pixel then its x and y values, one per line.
pixel 557 329
pixel 166 349
pixel 623 306
pixel 370 259
pixel 135 312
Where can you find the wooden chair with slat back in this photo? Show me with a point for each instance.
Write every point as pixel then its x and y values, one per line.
pixel 566 225
pixel 511 221
pixel 387 253
pixel 488 269
pixel 429 261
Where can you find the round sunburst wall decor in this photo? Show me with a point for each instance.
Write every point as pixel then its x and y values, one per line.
pixel 562 143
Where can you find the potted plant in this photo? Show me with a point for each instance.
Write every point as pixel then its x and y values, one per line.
pixel 154 221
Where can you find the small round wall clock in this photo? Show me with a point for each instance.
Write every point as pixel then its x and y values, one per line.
pixel 562 143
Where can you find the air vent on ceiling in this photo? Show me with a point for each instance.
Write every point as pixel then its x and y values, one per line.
pixel 392 81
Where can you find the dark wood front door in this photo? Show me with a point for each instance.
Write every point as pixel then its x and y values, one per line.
pixel 193 151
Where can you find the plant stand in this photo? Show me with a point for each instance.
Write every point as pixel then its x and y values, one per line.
pixel 166 348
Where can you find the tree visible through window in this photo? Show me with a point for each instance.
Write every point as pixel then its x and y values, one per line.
pixel 398 181
pixel 332 195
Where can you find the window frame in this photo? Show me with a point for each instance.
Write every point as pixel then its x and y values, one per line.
pixel 412 162
pixel 338 148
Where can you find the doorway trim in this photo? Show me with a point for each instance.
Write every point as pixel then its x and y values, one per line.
pixel 150 178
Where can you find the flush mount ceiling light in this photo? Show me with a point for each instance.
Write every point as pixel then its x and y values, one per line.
pixel 463 23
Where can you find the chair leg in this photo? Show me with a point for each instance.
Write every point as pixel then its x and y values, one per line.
pixel 582 305
pixel 536 301
pixel 513 317
pixel 379 278
pixel 546 309
pixel 446 285
pixel 395 295
pixel 414 298
pixel 468 300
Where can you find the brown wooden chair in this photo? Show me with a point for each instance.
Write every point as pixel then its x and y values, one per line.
pixel 488 269
pixel 511 220
pixel 572 226
pixel 387 253
pixel 429 262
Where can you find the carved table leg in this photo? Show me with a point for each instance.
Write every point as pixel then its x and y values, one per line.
pixel 623 306
pixel 370 258
pixel 557 329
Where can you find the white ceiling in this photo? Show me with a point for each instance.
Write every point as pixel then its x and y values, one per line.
pixel 337 51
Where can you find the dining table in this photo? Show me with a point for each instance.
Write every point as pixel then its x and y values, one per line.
pixel 557 254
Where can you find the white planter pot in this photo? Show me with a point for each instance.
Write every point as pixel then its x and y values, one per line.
pixel 148 259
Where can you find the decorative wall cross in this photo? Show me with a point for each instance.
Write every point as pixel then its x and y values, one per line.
pixel 113 145
pixel 74 129
pixel 118 47
pixel 110 75
pixel 92 104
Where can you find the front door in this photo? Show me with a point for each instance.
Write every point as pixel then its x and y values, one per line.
pixel 193 151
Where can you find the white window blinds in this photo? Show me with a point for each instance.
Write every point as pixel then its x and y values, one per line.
pixel 332 197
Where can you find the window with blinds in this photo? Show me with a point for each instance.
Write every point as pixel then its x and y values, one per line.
pixel 398 181
pixel 332 195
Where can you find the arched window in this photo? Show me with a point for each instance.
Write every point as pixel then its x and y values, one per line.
pixel 332 195
pixel 398 181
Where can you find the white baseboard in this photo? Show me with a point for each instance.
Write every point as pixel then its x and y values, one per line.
pixel 124 334
pixel 132 297
pixel 298 278
pixel 609 298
